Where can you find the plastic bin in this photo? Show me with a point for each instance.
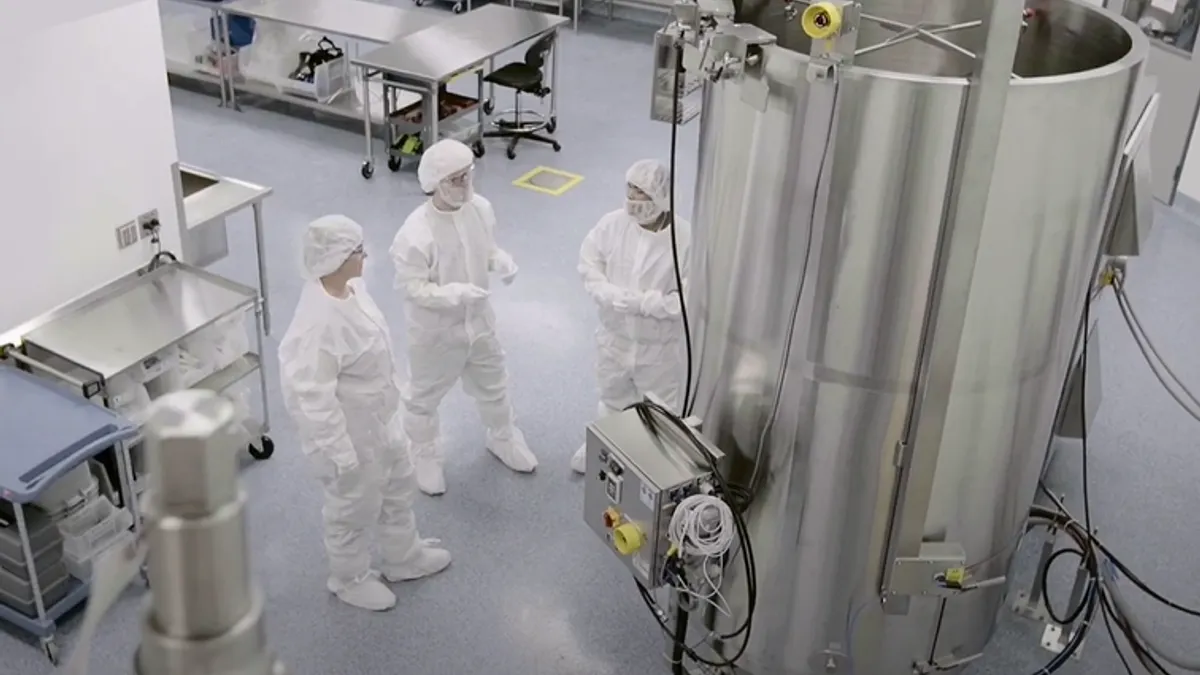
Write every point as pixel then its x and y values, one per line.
pixel 19 586
pixel 329 80
pixel 82 569
pixel 85 532
pixel 43 559
pixel 18 594
pixel 68 493
pixel 44 540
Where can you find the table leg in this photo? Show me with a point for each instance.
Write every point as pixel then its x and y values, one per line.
pixel 27 551
pixel 368 166
pixel 260 250
pixel 215 22
pixel 125 477
pixel 228 48
pixel 492 85
pixel 479 116
pixel 434 109
pixel 389 131
pixel 262 380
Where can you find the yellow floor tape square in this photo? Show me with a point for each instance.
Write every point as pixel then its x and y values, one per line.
pixel 548 181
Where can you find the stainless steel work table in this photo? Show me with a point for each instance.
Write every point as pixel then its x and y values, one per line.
pixel 208 199
pixel 421 62
pixel 138 317
pixel 354 19
pixel 216 75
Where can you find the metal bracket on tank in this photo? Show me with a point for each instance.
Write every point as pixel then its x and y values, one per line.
pixel 704 43
pixel 936 571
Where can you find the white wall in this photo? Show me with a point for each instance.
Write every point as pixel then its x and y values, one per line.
pixel 87 142
pixel 38 15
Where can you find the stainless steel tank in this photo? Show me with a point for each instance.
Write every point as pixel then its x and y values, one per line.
pixel 809 334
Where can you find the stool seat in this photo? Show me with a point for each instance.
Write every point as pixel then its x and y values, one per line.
pixel 517 76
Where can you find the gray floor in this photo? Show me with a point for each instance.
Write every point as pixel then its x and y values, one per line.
pixel 530 591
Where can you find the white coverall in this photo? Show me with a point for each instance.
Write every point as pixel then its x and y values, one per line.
pixel 340 386
pixel 443 257
pixel 629 270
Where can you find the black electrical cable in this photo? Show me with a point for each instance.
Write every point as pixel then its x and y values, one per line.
pixel 1110 556
pixel 1045 574
pixel 647 412
pixel 688 403
pixel 1111 616
pixel 678 642
pixel 1092 594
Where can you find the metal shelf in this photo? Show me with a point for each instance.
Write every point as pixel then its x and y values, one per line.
pixel 223 379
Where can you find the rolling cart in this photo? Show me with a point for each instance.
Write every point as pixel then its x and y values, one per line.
pixel 47 431
pixel 135 328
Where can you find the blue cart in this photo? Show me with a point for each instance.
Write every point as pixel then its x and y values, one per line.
pixel 45 432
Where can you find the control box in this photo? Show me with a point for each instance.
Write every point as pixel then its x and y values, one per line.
pixel 633 482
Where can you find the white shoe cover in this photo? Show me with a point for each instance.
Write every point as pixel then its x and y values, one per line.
pixel 579 460
pixel 369 593
pixel 512 450
pixel 431 478
pixel 425 561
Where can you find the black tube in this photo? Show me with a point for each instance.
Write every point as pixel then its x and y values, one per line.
pixel 679 640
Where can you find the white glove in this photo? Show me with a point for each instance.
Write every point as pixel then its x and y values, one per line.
pixel 657 305
pixel 607 294
pixel 504 265
pixel 627 303
pixel 466 293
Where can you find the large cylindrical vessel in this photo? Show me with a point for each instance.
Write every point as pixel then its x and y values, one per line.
pixel 814 330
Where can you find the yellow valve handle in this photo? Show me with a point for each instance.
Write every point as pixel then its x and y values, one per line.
pixel 627 538
pixel 822 20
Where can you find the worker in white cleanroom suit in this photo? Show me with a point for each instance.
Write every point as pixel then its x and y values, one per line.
pixel 340 385
pixel 628 268
pixel 443 254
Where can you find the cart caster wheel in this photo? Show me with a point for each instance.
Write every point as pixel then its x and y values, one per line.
pixel 419 3
pixel 394 163
pixel 264 449
pixel 368 170
pixel 488 107
pixel 50 649
pixel 557 147
pixel 511 153
pixel 478 149
pixel 458 9
pixel 551 125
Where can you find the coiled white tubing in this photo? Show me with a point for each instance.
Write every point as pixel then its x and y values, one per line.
pixel 702 525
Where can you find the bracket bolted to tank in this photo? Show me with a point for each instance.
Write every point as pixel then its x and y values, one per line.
pixel 931 572
pixel 703 43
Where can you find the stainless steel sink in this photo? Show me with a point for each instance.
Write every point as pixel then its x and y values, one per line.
pixel 194 182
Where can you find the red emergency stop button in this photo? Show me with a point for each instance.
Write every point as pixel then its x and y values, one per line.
pixel 611 518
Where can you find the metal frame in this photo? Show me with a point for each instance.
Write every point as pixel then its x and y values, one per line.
pixel 254 303
pixel 430 93
pixel 428 89
pixel 44 624
pixel 983 114
pixel 253 197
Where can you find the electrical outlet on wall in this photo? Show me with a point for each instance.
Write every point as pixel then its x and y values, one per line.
pixel 127 234
pixel 147 223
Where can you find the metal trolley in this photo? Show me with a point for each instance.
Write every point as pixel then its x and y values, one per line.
pixel 47 431
pixel 137 323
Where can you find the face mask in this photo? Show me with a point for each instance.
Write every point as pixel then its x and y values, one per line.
pixel 642 211
pixel 455 196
